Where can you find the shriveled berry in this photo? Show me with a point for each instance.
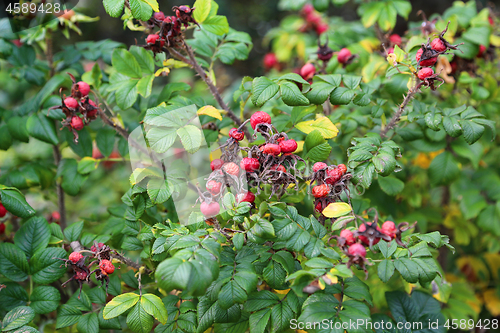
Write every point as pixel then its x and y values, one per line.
pixel 83 88
pixel 288 146
pixel 75 257
pixel 70 102
pixel 151 39
pixel 246 197
pixel 395 39
pixel 342 168
pixel 318 166
pixel 270 60
pixel 159 16
pixel 236 134
pixel 210 209
pixel 348 235
pixel 2 228
pixel 93 248
pixel 320 191
pixel 438 45
pixel 389 229
pixel 424 73
pixel 250 164
pixel 278 168
pixel 259 117
pixel 333 176
pixel 214 187
pixel 216 164
pixel 318 207
pixel 231 168
pixel 3 210
pixel 307 71
pixel 364 239
pixel 271 149
pixel 77 123
pixel 344 55
pixel 426 62
pixel 357 250
pixel 106 266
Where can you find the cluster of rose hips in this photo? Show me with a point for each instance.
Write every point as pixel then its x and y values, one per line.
pixel 265 164
pixel 82 272
pixel 170 28
pixel 313 19
pixel 78 108
pixel 330 182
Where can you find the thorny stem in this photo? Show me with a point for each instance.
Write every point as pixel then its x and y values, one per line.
pixel 397 115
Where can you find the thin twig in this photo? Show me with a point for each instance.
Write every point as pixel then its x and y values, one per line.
pixel 129 262
pixel 397 115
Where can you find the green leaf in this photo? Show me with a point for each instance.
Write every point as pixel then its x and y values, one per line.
pixel 17 317
pixel 478 35
pixel 275 275
pixel 5 138
pixel 263 90
pixel 119 305
pixel 238 240
pixel 161 139
pixel 108 324
pixel 408 269
pixel 153 305
pixel 13 263
pixel 384 163
pixel 33 235
pixel 443 169
pixel 42 128
pixel 138 320
pixel 73 231
pixel 403 8
pixel 126 93
pixel 17 128
pixel 263 228
pixel 14 201
pixel 472 131
pixel 45 267
pixel 88 323
pixel 202 10
pixel 191 138
pixel 260 300
pixel 84 145
pixel 291 95
pixel 452 126
pixel 141 10
pixel 86 165
pixel 105 140
pixel 159 190
pixel 72 181
pixel 12 296
pixel 125 63
pixel 114 7
pixel 391 185
pixel 68 315
pixel 281 315
pixel 351 81
pixel 388 249
pixel 385 270
pixel 341 96
pixel 258 320
pixel 145 85
pixel 216 24
pixel 144 58
pixel 231 294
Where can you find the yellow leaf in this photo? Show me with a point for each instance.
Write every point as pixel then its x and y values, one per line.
pixel 321 284
pixel 495 40
pixel 281 291
pixel 492 302
pixel 324 125
pixel 162 72
pixel 209 110
pixel 337 209
pixel 300 146
pixel 153 4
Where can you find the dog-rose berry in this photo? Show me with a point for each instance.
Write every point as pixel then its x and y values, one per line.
pixel 348 236
pixel 259 117
pixel 83 88
pixel 481 51
pixel 389 229
pixel 342 168
pixel 320 191
pixel 70 102
pixel 307 71
pixel 344 55
pixel 321 28
pixel 214 187
pixel 231 168
pixel 210 209
pixel 75 257
pixel 159 16
pixel 318 166
pixel 333 176
pixel 77 123
pixel 288 146
pixel 278 168
pixel 426 62
pixel 438 45
pixel 364 239
pixel 3 211
pixel 250 164
pixel 318 207
pixel 94 249
pixel 395 39
pixel 216 164
pixel 357 250
pixel 236 134
pixel 424 73
pixel 270 60
pixel 246 197
pixel 151 39
pixel 106 266
pixel 2 228
pixel 271 149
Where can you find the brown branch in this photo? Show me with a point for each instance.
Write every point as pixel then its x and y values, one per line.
pixel 397 115
pixel 129 262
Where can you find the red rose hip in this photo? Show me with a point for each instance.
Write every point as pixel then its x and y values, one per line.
pixel 278 168
pixel 235 134
pixel 210 210
pixel 270 60
pixel 231 168
pixel 348 235
pixel 344 55
pixel 77 123
pixel 438 45
pixel 70 102
pixel 357 250
pixel 83 88
pixel 288 146
pixel 426 62
pixel 106 266
pixel 159 16
pixel 246 197
pixel 3 211
pixel 216 164
pixel 214 187
pixel 250 164
pixel 320 191
pixel 424 73
pixel 318 166
pixel 307 71
pixel 75 257
pixel 271 149
pixel 395 39
pixel 389 229
pixel 259 117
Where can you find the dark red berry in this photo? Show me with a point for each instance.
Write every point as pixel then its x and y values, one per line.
pixel 426 62
pixel 271 149
pixel 159 16
pixel 424 73
pixel 342 168
pixel 321 28
pixel 236 134
pixel 75 257
pixel 318 207
pixel 333 176
pixel 348 236
pixel 3 211
pixel 482 49
pixel 77 123
pixel 106 266
pixel 320 191
pixel 288 146
pixel 216 164
pixel 93 248
pixel 307 9
pixel 211 209
pixel 2 228
pixel 365 239
pixel 259 117
pixel 83 88
pixel 70 102
pixel 357 250
pixel 250 164
pixel 151 39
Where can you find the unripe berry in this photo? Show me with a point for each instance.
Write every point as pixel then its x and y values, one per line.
pixel 288 146
pixel 424 73
pixel 214 187
pixel 3 211
pixel 237 135
pixel 395 39
pixel 75 257
pixel 270 60
pixel 438 45
pixel 159 16
pixel 278 168
pixel 342 168
pixel 318 166
pixel 307 71
pixel 389 229
pixel 106 266
pixel 259 117
pixel 426 62
pixel 320 191
pixel 344 55
pixel 250 164
pixel 357 250
pixel 83 88
pixel 216 164
pixel 209 210
pixel 70 102
pixel 349 237
pixel 77 123
pixel 246 197
pixel 333 176
pixel 231 168
pixel 271 149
